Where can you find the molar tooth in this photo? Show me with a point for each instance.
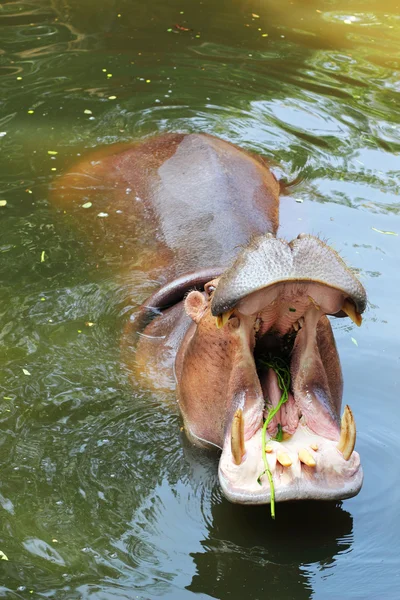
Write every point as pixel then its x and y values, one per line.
pixel 237 437
pixel 296 326
pixel 314 447
pixel 301 322
pixel 350 310
pixel 348 434
pixel 284 459
pixel 223 318
pixel 306 458
pixel 257 324
pixel 269 448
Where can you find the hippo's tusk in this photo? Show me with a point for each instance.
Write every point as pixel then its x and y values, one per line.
pixel 284 459
pixel 306 458
pixel 348 434
pixel 223 318
pixel 350 310
pixel 237 437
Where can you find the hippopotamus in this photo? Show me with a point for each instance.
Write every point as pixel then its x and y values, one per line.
pixel 234 312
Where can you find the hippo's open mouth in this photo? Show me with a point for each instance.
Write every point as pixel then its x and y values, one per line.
pixel 280 319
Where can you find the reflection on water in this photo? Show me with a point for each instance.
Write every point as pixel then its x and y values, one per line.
pixel 101 495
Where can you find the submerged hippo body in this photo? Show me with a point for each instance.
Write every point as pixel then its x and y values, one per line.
pixel 231 298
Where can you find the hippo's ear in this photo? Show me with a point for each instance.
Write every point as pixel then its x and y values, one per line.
pixel 195 305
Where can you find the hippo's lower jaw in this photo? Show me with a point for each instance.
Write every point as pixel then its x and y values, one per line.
pixel 327 476
pixel 315 458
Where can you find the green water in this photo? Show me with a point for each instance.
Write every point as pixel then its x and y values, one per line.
pixel 100 494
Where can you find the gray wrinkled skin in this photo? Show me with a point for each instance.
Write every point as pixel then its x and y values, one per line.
pixel 268 260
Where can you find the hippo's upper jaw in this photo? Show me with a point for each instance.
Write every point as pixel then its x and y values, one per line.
pixel 272 305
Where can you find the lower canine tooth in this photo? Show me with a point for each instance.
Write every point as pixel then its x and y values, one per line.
pixel 348 434
pixel 284 459
pixel 237 437
pixel 306 458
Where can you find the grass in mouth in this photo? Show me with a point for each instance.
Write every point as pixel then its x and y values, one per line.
pixel 283 376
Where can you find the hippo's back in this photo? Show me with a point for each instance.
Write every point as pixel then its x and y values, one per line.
pixel 183 202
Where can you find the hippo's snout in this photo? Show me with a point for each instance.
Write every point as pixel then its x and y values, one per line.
pixel 270 309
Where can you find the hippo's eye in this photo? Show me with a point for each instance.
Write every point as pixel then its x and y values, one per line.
pixel 209 289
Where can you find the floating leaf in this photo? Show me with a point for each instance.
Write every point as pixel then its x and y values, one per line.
pixel 52 152
pixel 7 398
pixel 101 214
pixel 3 556
pixel 87 111
pixel 89 324
pixel 25 372
pixel 354 341
pixel 43 256
pixel 112 97
pixel 3 202
pixel 87 205
pixel 384 232
pixel 255 16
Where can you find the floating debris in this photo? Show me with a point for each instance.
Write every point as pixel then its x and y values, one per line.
pixel 25 372
pixel 43 256
pixel 52 152
pixel 354 341
pixel 112 97
pixel 87 111
pixel 3 556
pixel 101 214
pixel 3 202
pixel 384 232
pixel 182 28
pixel 87 205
